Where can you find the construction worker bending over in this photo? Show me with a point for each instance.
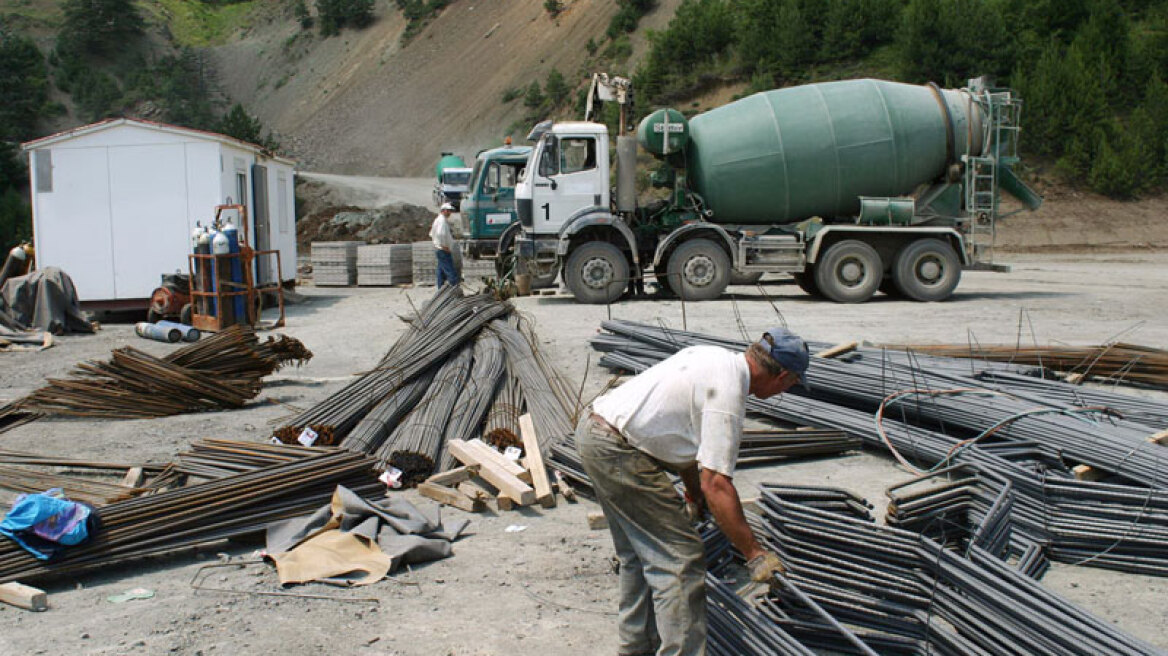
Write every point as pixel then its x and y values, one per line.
pixel 444 247
pixel 683 415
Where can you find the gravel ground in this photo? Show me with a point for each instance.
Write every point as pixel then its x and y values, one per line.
pixel 549 588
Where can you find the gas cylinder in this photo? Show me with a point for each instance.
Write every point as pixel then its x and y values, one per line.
pixel 235 271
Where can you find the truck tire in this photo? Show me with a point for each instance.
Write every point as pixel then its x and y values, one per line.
pixel 664 287
pixel 740 278
pixel 597 272
pixel 699 270
pixel 806 282
pixel 927 270
pixel 849 272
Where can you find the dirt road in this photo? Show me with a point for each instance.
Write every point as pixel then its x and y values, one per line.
pixel 548 588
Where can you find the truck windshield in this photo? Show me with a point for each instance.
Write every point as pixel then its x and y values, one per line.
pixel 459 178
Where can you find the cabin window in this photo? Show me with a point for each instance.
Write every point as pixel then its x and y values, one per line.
pixel 577 154
pixel 43 161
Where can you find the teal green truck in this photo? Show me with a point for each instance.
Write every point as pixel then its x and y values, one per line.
pixel 488 207
pixel 851 187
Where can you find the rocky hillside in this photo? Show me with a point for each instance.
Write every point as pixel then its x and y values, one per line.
pixel 364 103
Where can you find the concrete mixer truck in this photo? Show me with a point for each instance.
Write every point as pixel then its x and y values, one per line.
pixel 853 187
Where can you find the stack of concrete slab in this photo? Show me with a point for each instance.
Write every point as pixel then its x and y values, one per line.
pixel 425 264
pixel 334 263
pixel 473 271
pixel 385 264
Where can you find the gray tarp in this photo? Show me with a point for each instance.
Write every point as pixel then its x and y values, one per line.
pixel 42 300
pixel 404 532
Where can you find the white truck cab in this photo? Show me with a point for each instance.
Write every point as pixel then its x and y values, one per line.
pixel 567 175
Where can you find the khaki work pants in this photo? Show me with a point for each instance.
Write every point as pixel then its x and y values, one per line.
pixel 662 563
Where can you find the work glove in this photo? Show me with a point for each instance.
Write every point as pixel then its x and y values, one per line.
pixel 764 566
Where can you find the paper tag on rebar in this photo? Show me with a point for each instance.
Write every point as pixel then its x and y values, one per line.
pixel 274 440
pixel 307 437
pixel 512 453
pixel 391 477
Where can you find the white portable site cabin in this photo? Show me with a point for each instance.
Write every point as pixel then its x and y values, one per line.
pixel 114 204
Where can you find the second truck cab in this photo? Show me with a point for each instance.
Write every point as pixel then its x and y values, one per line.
pixel 488 207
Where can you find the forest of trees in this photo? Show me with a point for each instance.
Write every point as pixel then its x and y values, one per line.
pixel 1090 72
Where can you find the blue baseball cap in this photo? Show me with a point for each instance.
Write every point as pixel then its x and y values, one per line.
pixel 789 350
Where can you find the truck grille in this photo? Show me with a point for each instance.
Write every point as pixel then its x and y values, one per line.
pixel 523 208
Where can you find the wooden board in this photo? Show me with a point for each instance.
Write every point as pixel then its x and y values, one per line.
pixel 838 349
pixel 566 489
pixel 454 476
pixel 597 521
pixel 508 484
pixel 133 477
pixel 450 497
pixel 1160 438
pixel 1087 473
pixel 487 452
pixel 539 475
pixel 24 596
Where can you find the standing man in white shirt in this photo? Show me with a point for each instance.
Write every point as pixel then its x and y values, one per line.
pixel 444 247
pixel 683 415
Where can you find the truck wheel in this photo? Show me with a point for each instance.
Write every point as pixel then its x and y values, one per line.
pixel 663 285
pixel 597 272
pixel 927 270
pixel 850 272
pixel 699 270
pixel 740 278
pixel 806 282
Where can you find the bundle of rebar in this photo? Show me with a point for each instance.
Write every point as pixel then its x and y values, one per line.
pixel 1112 362
pixel 229 507
pixel 767 445
pixel 546 395
pixel 488 367
pixel 222 371
pixel 1101 524
pixel 416 445
pixel 444 324
pixel 914 590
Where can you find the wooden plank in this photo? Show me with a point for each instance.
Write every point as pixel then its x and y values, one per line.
pixel 597 521
pixel 1074 379
pixel 487 452
pixel 539 475
pixel 509 485
pixel 1159 438
pixel 452 477
pixel 838 349
pixel 566 489
pixel 450 497
pixel 504 502
pixel 1087 473
pixel 24 596
pixel 133 477
pixel 474 491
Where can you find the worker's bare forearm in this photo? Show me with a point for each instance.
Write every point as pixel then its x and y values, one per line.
pixel 693 484
pixel 723 501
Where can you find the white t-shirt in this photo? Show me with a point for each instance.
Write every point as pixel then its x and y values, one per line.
pixel 440 233
pixel 686 408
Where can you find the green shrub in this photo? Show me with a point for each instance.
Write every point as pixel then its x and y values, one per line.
pixel 511 94
pixel 553 7
pixel 338 14
pixel 98 27
pixel 555 88
pixel 23 85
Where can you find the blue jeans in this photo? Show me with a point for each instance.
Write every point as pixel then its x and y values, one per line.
pixel 446 271
pixel 662 562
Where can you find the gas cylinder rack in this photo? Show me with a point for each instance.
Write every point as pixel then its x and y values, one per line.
pixel 223 275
